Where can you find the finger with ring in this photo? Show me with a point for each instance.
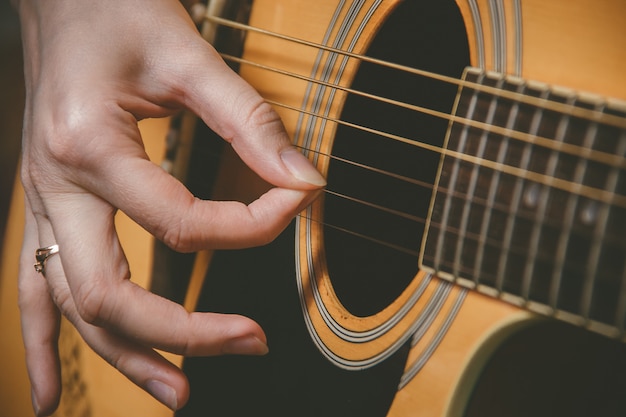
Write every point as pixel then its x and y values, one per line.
pixel 42 254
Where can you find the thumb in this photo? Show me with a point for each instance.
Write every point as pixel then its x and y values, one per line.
pixel 236 112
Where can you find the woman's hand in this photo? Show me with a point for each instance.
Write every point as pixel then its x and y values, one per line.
pixel 93 69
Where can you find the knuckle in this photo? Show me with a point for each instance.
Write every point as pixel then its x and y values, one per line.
pixel 90 302
pixel 64 141
pixel 262 116
pixel 187 346
pixel 76 129
pixel 116 359
pixel 191 60
pixel 180 233
pixel 176 238
pixel 62 145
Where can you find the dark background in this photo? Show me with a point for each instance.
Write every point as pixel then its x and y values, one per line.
pixel 11 105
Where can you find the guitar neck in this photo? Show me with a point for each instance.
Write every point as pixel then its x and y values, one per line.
pixel 530 202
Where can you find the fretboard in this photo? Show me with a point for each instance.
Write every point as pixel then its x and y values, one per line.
pixel 530 203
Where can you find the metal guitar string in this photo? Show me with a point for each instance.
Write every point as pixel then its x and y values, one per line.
pixel 589 114
pixel 615 161
pixel 479 201
pixel 564 148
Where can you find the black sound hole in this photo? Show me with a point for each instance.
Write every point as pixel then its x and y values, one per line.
pixel 371 251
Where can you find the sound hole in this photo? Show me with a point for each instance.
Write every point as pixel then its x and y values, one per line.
pixel 371 249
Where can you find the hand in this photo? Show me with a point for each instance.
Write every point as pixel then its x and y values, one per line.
pixel 92 70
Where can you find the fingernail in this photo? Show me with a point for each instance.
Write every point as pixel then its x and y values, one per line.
pixel 301 168
pixel 163 393
pixel 248 345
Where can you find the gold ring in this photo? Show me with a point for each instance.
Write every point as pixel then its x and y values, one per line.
pixel 42 254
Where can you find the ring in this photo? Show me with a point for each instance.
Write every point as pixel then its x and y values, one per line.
pixel 42 254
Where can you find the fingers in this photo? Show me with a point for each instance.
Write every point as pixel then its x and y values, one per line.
pixel 101 293
pixel 40 327
pixel 120 321
pixel 139 363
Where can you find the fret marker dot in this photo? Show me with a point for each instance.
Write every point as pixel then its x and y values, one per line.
pixel 589 213
pixel 531 196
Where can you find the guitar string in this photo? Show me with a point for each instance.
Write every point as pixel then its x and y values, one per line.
pixel 519 250
pixel 589 192
pixel 388 101
pixel 584 113
pixel 467 272
pixel 470 236
pixel 475 200
pixel 480 202
pixel 589 154
pixel 614 160
pixel 564 148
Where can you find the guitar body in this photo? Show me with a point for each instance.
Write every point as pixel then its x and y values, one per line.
pixel 355 327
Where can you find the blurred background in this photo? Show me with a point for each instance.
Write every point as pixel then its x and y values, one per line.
pixel 14 386
pixel 11 104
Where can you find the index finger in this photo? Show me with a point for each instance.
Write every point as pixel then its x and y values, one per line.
pixel 236 111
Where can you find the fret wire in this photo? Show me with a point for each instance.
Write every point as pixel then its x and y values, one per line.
pixel 620 315
pixel 495 180
pixel 618 331
pixel 553 106
pixel 597 156
pixel 540 213
pixel 568 218
pixel 588 191
pixel 515 201
pixel 599 232
pixel 454 174
pixel 473 181
pixel 465 271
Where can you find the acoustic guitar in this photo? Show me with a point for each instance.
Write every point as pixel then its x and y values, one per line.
pixel 469 249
